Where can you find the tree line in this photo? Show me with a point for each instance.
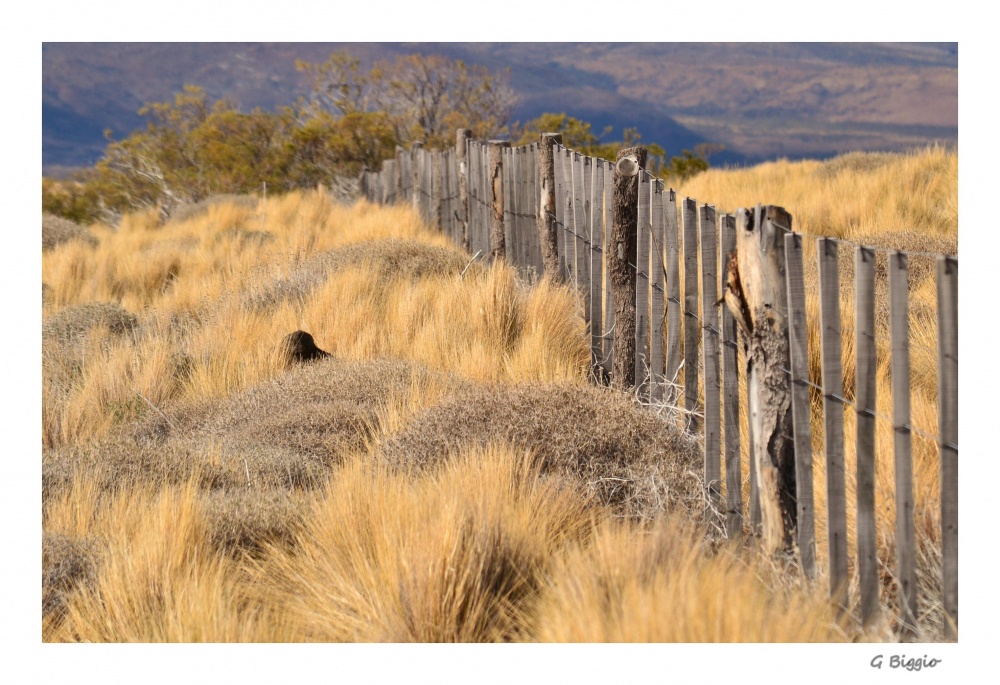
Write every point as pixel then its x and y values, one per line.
pixel 352 118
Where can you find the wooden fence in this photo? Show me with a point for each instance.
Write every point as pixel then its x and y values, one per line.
pixel 686 347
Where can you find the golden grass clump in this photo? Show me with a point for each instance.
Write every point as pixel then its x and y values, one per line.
pixel 661 585
pixel 454 555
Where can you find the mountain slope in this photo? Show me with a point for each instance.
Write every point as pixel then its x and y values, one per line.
pixel 761 100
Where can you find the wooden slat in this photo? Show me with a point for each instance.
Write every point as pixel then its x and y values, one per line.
pixel 947 304
pixel 536 197
pixel 585 244
pixel 507 164
pixel 516 245
pixel 582 268
pixel 730 389
pixel 710 354
pixel 900 365
pixel 864 404
pixel 673 301
pixel 596 234
pixel 689 216
pixel 565 198
pixel 798 355
pixel 833 417
pixel 560 203
pixel 756 516
pixel 657 279
pixel 609 302
pixel 642 287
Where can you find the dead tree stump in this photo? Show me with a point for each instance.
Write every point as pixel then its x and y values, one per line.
pixel 756 296
pixel 622 262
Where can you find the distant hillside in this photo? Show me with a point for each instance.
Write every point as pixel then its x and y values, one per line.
pixel 761 100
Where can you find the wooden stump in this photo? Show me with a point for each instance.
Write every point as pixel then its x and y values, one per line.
pixel 761 280
pixel 622 262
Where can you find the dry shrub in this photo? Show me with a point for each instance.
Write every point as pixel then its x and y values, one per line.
pixel 285 433
pixel 72 323
pixel 387 258
pixel 662 585
pixel 250 520
pixel 67 563
pixel 57 230
pixel 630 458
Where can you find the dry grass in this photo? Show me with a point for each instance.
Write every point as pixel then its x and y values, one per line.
pixel 661 585
pixel 448 475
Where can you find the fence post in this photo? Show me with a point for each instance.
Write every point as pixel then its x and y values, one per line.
pixel 865 366
pixel 400 192
pixel 899 332
pixel 761 288
pixel 708 241
pixel 947 301
pixel 547 204
pixel 802 432
pixel 437 194
pixel 689 216
pixel 622 261
pixel 462 137
pixel 730 388
pixel 833 417
pixel 415 166
pixel 497 240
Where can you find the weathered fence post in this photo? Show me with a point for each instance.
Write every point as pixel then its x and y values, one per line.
pixel 437 191
pixel 400 190
pixel 547 204
pixel 363 183
pixel 462 137
pixel 899 332
pixel 415 150
pixel 865 374
pixel 689 216
pixel 730 388
pixel 622 262
pixel 947 302
pixel 497 239
pixel 799 358
pixel 761 307
pixel 833 416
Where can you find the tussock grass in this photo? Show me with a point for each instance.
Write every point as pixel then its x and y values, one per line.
pixel 449 475
pixel 455 555
pixel 660 584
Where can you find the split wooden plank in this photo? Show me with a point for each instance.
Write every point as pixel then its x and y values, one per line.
pixel 798 354
pixel 865 405
pixel 689 216
pixel 730 388
pixel 673 302
pixel 899 333
pixel 657 278
pixel 609 301
pixel 947 304
pixel 643 233
pixel 596 262
pixel 833 417
pixel 710 357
